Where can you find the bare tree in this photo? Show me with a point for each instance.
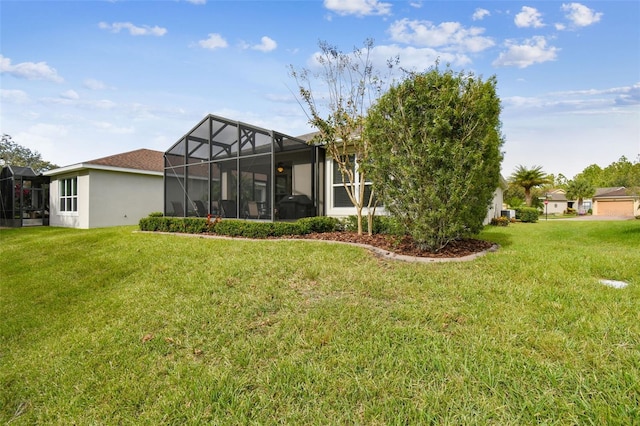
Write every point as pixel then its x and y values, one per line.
pixel 351 84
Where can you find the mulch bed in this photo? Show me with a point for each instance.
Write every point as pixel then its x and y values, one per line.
pixel 404 245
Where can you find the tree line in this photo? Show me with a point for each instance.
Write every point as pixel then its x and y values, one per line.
pixel 14 154
pixel 528 186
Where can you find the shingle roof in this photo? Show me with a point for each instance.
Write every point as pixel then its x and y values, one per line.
pixel 611 192
pixel 22 171
pixel 557 196
pixel 308 136
pixel 140 159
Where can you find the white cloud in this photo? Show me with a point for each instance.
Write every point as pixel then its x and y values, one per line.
pixel 480 14
pixel 579 102
pixel 196 1
pixel 215 41
pixel 14 96
pixel 70 94
pixel 112 128
pixel 631 96
pixel 410 58
pixel 625 95
pixel 134 30
pixel 267 44
pixel 30 70
pixel 448 35
pixel 560 27
pixel 416 4
pixel 93 84
pixel 42 137
pixel 415 59
pixel 580 15
pixel 103 104
pixel 529 17
pixel 534 50
pixel 358 7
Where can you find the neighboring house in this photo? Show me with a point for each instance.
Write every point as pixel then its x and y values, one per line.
pixel 231 169
pixel 495 209
pixel 618 201
pixel 111 191
pixel 557 202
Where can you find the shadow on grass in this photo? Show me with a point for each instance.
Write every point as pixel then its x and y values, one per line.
pixel 492 234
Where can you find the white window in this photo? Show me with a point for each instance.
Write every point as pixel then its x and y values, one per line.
pixel 340 198
pixel 69 195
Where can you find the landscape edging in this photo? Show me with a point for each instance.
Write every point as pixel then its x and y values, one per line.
pixel 385 254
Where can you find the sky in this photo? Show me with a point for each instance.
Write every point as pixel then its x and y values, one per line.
pixel 80 80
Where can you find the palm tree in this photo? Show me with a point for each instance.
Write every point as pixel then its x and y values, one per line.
pixel 527 179
pixel 580 189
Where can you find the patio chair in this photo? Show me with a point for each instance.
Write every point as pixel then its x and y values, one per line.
pixel 177 209
pixel 228 208
pixel 215 208
pixel 201 210
pixel 252 210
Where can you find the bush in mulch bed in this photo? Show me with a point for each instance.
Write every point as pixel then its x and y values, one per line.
pixel 317 228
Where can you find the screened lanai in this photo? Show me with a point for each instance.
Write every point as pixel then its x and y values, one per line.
pixel 24 197
pixel 231 169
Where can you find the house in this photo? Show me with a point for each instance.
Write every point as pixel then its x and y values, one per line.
pixel 495 209
pixel 617 201
pixel 232 169
pixel 110 191
pixel 556 202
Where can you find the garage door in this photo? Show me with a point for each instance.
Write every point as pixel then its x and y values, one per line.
pixel 615 208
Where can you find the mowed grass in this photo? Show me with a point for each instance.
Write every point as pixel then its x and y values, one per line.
pixel 113 326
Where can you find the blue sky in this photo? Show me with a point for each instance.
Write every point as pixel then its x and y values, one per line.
pixel 85 79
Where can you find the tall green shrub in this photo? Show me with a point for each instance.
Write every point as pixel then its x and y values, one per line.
pixel 435 160
pixel 527 214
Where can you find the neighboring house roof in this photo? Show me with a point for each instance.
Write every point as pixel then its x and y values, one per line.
pixel 557 191
pixel 308 136
pixel 145 161
pixel 556 196
pixel 21 171
pixel 619 191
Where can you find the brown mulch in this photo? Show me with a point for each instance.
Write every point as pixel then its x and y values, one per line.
pixel 404 245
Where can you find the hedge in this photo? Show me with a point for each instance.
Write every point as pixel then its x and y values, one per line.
pixel 239 228
pixel 190 225
pixel 527 214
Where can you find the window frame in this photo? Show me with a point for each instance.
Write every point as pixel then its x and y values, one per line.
pixel 68 195
pixel 334 182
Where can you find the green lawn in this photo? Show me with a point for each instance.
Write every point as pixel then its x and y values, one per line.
pixel 111 326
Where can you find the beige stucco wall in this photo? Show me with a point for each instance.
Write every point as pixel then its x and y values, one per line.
pixel 495 208
pixel 108 198
pixel 556 207
pixel 79 219
pixel 123 198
